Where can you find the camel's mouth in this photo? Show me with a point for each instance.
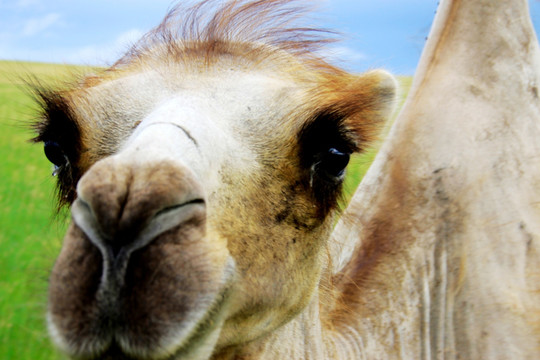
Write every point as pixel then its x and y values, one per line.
pixel 198 342
pixel 173 298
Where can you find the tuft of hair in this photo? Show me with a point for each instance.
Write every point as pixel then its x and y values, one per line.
pixel 210 27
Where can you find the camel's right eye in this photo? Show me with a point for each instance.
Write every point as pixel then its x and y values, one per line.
pixel 55 154
pixel 331 164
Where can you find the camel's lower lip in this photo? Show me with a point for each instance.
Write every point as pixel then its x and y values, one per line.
pixel 208 324
pixel 204 332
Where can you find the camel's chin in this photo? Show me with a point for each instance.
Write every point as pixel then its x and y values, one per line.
pixel 171 304
pixel 193 339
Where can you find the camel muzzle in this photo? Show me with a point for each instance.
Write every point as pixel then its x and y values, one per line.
pixel 138 238
pixel 123 208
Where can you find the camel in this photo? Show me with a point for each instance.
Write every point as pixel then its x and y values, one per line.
pixel 203 172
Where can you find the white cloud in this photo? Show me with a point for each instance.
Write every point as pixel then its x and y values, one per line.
pixel 91 54
pixel 343 52
pixel 104 53
pixel 28 3
pixel 38 25
pixel 128 38
pixel 345 57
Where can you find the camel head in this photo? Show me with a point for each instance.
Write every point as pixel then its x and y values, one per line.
pixel 203 171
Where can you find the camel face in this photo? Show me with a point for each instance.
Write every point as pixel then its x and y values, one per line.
pixel 202 190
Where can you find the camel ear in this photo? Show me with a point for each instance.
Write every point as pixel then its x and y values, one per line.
pixel 364 102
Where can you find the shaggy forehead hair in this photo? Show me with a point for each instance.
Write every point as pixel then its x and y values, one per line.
pixel 211 28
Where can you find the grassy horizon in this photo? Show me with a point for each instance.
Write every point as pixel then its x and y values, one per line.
pixel 30 235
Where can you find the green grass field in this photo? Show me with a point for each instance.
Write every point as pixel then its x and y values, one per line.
pixel 30 237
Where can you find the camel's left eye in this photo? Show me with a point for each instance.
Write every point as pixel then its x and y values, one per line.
pixel 55 154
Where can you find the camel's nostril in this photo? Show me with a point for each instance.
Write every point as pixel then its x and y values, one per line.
pixel 122 207
pixel 176 207
pixel 170 218
pixel 125 242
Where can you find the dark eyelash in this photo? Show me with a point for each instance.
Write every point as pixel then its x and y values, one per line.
pixel 58 125
pixel 325 144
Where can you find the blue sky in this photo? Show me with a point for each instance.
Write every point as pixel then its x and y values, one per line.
pixel 377 33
